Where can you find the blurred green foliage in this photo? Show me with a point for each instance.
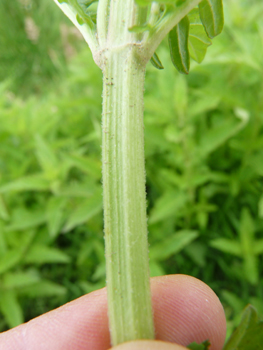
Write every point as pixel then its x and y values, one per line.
pixel 204 162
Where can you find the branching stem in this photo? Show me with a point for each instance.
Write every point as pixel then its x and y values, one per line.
pixel 165 25
pixel 122 55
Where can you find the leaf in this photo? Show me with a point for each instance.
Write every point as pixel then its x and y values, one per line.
pixel 167 205
pixel 55 215
pixel 155 61
pixel 156 268
pixel 40 254
pixel 234 301
pixel 84 252
pixel 172 245
pixel 227 246
pixel 258 247
pixel 178 44
pixel 100 272
pixel 205 103
pixel 249 334
pixel 197 252
pixel 212 16
pixel 44 288
pixel 3 210
pixel 143 3
pixel 20 279
pixel 140 29
pixel 46 158
pixel 11 308
pixel 83 15
pixel 198 39
pixel 181 95
pixel 246 233
pixel 88 287
pixel 88 165
pixel 10 259
pixel 260 207
pixel 36 182
pixel 203 346
pixel 3 243
pixel 79 19
pixel 77 189
pixel 24 219
pixel 219 134
pixel 77 12
pixel 84 4
pixel 85 211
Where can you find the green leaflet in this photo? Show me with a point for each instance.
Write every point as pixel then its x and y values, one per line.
pixel 15 280
pixel 81 6
pixel 82 3
pixel 227 246
pixel 35 182
pixel 155 61
pixel 247 240
pixel 86 209
pixel 40 254
pixel 85 4
pixel 178 43
pixel 83 15
pixel 249 334
pixel 172 245
pixel 192 36
pixel 212 16
pixel 203 346
pixel 140 29
pixel 198 40
pixel 43 288
pixel 247 247
pixel 4 214
pixel 11 308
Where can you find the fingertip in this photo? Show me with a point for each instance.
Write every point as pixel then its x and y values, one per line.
pixel 186 310
pixel 148 345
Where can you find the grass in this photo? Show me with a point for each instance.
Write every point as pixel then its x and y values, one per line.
pixel 204 151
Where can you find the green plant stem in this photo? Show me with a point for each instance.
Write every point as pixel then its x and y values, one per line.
pixel 103 21
pixel 129 299
pixel 122 55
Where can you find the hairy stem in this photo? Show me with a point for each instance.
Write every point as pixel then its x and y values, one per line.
pixel 129 299
pixel 103 21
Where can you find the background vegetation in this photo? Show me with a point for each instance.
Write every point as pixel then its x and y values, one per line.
pixel 204 161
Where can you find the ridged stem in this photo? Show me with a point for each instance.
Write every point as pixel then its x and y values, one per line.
pixel 128 289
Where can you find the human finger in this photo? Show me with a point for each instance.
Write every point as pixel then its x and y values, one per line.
pixel 185 310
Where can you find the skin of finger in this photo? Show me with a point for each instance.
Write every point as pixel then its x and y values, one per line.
pixel 79 325
pixel 185 310
pixel 148 345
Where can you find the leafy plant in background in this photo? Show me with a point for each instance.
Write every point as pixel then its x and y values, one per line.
pixel 28 209
pixel 123 37
pixel 29 65
pixel 246 247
